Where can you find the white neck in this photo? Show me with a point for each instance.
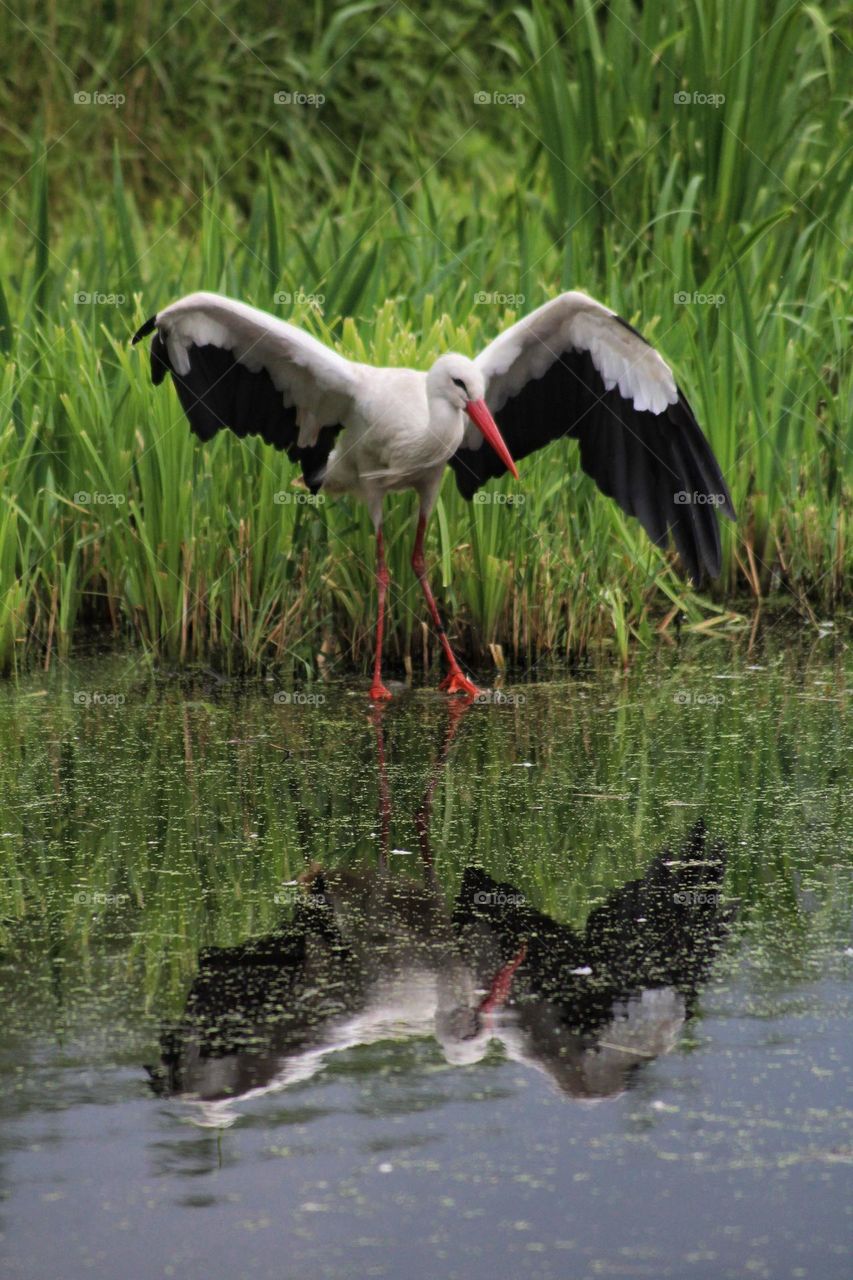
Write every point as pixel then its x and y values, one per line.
pixel 446 423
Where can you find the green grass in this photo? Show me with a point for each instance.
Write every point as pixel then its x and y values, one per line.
pixel 400 200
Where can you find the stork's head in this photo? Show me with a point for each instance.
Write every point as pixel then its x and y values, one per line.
pixel 458 382
pixel 457 379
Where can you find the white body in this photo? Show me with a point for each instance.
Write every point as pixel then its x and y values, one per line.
pixel 394 438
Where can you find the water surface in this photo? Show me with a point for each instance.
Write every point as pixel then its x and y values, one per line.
pixel 552 987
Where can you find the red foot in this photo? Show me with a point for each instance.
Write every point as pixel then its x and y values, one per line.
pixel 378 693
pixel 456 682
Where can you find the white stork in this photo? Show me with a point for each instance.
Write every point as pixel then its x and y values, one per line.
pixel 570 368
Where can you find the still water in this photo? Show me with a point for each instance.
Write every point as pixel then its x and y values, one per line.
pixel 557 986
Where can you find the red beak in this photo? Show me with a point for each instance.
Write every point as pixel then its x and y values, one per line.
pixel 502 983
pixel 478 412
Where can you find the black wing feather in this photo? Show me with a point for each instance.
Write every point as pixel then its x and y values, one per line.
pixel 648 463
pixel 219 391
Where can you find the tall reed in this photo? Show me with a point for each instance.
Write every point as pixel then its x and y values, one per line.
pixel 687 167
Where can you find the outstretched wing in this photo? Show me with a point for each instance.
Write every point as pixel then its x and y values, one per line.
pixel 575 368
pixel 234 366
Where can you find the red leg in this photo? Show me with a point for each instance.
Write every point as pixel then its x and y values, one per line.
pixel 378 692
pixel 455 681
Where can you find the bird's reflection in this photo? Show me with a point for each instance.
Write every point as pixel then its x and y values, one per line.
pixel 371 956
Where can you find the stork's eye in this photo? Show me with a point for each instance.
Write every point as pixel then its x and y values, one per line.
pixel 457 382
